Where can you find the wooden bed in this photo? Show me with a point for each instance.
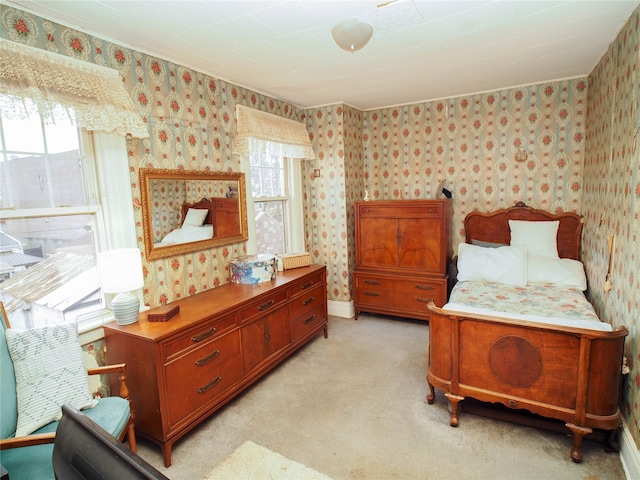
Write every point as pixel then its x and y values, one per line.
pixel 204 204
pixel 564 373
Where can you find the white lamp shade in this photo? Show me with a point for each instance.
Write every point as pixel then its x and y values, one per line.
pixel 120 270
pixel 352 35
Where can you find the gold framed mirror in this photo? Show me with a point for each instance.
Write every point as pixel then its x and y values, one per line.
pixel 189 210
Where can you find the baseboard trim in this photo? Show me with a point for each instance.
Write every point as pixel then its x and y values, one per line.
pixel 629 453
pixel 340 309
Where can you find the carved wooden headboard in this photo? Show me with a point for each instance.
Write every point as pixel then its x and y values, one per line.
pixel 494 227
pixel 204 204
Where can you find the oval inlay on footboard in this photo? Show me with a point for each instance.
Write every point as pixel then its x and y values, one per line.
pixel 515 361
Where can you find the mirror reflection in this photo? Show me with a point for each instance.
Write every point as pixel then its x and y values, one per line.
pixel 185 211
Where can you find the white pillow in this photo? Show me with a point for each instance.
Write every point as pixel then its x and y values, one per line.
pixel 560 271
pixel 506 265
pixel 539 238
pixel 49 373
pixel 195 216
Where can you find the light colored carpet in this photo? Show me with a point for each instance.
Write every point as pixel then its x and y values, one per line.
pixel 353 407
pixel 251 461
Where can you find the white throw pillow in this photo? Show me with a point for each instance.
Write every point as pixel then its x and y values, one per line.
pixel 539 238
pixel 560 271
pixel 506 265
pixel 49 373
pixel 195 217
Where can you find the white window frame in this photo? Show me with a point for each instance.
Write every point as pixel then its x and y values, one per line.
pixel 293 210
pixel 106 170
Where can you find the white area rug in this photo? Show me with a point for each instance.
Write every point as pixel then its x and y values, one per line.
pixel 251 461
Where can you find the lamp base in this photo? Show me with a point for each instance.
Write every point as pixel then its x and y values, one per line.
pixel 125 307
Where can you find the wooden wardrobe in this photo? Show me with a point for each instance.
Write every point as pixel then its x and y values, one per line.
pixel 403 248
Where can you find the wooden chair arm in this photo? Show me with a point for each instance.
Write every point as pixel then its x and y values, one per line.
pixel 118 368
pixel 27 441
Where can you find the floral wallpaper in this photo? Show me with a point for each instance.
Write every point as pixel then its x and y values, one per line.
pixel 468 145
pixel 191 120
pixel 336 134
pixel 611 199
pixel 580 137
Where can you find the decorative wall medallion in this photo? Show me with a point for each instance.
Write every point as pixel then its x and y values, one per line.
pixel 515 361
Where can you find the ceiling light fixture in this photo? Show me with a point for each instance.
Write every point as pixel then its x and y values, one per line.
pixel 351 35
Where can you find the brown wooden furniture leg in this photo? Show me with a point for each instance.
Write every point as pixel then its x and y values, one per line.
pixel 578 433
pixel 454 420
pixel 432 394
pixel 166 454
pixel 131 438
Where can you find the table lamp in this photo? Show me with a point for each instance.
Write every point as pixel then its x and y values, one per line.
pixel 120 272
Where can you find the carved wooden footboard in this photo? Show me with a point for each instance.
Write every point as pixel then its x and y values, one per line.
pixel 570 374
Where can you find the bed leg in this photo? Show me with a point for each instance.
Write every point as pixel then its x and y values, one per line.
pixel 578 433
pixel 454 420
pixel 613 441
pixel 432 394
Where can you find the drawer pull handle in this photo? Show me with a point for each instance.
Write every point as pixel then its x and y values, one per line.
pixel 209 385
pixel 307 285
pixel 425 287
pixel 424 300
pixel 371 282
pixel 310 319
pixel 513 403
pixel 264 306
pixel 308 301
pixel 372 294
pixel 202 336
pixel 206 359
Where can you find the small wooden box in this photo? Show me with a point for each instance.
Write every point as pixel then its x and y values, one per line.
pixel 163 313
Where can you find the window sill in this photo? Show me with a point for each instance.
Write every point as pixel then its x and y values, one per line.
pixel 90 328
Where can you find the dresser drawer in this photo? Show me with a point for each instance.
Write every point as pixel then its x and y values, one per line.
pixel 307 301
pixel 201 375
pixel 304 286
pixel 263 307
pixel 208 331
pixel 308 321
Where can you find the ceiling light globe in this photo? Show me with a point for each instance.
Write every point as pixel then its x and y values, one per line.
pixel 351 35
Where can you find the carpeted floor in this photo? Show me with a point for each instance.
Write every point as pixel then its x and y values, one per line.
pixel 353 407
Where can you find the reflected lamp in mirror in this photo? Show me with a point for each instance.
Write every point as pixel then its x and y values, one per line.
pixel 120 272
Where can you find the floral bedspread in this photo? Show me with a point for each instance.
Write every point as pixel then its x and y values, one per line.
pixel 531 302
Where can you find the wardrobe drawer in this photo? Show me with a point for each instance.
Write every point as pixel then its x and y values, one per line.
pixel 417 286
pixel 393 300
pixel 399 211
pixel 208 331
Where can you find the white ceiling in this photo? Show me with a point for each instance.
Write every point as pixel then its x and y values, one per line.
pixel 420 49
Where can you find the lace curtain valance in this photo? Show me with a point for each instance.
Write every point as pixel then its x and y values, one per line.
pixel 93 96
pixel 268 133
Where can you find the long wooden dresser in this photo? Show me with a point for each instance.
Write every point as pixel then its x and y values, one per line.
pixel 223 340
pixel 402 252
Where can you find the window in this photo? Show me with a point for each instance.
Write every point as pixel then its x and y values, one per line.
pixel 51 221
pixel 277 208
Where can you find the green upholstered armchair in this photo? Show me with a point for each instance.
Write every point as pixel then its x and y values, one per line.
pixel 29 456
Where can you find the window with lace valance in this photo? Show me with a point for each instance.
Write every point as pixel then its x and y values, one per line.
pixel 33 80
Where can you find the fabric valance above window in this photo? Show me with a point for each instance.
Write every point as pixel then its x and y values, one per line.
pixel 264 132
pixel 93 96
